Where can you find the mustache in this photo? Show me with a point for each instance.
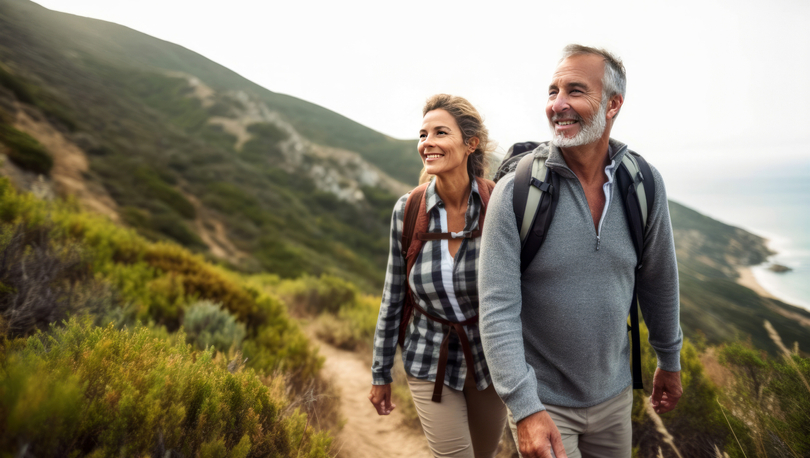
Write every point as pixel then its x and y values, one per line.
pixel 567 117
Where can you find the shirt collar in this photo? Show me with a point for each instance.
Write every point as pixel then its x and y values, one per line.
pixel 432 197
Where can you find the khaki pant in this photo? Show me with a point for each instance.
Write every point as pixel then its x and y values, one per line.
pixel 600 431
pixel 466 424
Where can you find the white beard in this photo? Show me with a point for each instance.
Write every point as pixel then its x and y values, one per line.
pixel 591 131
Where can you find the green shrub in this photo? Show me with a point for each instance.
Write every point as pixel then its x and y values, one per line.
pixel 85 390
pixel 353 327
pixel 206 324
pixel 311 295
pixel 25 151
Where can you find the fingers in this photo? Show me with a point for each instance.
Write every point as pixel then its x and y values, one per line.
pixel 388 403
pixel 380 397
pixel 557 444
pixel 538 436
pixel 666 392
pixel 668 402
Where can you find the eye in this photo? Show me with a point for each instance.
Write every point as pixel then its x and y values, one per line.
pixel 422 135
pixel 441 132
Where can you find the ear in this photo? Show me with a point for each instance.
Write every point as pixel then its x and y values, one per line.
pixel 614 105
pixel 472 144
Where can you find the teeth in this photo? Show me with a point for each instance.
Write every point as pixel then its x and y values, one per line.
pixel 433 156
pixel 565 123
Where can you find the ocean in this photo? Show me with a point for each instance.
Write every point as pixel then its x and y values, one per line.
pixel 774 204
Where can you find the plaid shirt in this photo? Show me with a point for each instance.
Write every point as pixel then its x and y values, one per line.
pixel 424 338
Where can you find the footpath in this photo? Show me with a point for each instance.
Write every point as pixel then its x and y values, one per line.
pixel 366 434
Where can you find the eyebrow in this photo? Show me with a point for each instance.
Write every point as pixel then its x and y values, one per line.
pixel 575 84
pixel 437 127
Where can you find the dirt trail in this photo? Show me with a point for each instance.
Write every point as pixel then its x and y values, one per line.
pixel 366 434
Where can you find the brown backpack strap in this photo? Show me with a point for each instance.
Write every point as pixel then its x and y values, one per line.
pixel 444 350
pixel 424 236
pixel 415 203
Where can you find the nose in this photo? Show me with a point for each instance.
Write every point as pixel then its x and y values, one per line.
pixel 426 142
pixel 560 103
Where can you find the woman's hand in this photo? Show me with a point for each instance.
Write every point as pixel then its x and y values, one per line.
pixel 380 396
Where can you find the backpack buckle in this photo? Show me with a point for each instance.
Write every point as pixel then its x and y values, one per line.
pixel 541 185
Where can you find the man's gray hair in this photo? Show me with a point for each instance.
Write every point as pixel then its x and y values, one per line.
pixel 614 81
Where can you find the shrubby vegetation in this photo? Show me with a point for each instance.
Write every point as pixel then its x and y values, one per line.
pixel 344 316
pixel 90 386
pixel 86 390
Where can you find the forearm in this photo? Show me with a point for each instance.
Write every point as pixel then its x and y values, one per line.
pixel 658 284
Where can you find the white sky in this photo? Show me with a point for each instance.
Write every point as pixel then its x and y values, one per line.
pixel 723 84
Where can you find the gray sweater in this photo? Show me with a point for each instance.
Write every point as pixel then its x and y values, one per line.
pixel 558 334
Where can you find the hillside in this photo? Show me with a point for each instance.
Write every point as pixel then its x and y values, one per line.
pixel 162 140
pixel 182 148
pixel 710 254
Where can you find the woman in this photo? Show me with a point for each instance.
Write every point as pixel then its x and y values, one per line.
pixel 461 414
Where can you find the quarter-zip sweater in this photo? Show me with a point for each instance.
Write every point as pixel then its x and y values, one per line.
pixel 558 333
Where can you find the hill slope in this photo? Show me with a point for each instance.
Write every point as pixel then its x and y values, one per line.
pixel 179 147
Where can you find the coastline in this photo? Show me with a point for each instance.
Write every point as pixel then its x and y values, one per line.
pixel 748 280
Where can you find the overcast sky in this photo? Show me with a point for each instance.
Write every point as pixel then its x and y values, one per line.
pixel 724 83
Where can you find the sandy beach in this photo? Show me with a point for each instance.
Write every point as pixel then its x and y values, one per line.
pixel 748 280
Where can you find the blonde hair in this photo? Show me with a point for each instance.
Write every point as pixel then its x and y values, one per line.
pixel 471 125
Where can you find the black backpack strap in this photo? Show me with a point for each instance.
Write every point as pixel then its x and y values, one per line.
pixel 542 220
pixel 523 178
pixel 533 202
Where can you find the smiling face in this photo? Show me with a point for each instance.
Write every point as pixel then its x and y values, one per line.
pixel 576 110
pixel 442 146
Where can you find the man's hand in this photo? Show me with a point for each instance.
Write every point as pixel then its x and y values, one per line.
pixel 380 396
pixel 666 390
pixel 538 435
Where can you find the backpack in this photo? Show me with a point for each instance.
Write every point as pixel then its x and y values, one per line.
pixel 535 201
pixel 414 234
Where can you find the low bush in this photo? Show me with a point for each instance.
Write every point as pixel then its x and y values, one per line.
pixel 42 282
pixel 85 390
pixel 308 295
pixel 354 325
pixel 206 324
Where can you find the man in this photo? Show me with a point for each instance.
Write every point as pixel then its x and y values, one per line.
pixel 555 337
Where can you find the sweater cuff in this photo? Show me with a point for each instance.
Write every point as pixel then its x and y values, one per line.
pixel 522 404
pixel 669 361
